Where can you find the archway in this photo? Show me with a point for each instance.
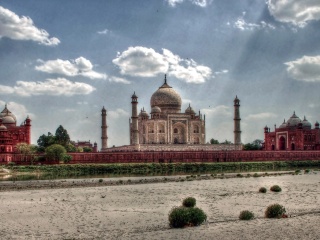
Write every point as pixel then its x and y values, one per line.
pixel 282 143
pixel 179 133
pixel 293 146
pixel 272 147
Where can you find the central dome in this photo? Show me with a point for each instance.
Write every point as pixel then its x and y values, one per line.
pixel 166 98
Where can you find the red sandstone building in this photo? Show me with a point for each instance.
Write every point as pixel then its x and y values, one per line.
pixel 11 134
pixel 294 134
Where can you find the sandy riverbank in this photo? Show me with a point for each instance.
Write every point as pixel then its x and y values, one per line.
pixel 140 211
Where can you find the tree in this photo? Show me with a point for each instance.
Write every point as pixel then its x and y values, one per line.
pixel 87 149
pixel 27 151
pixel 45 141
pixel 62 137
pixel 55 152
pixel 71 148
pixel 255 145
pixel 226 142
pixel 214 141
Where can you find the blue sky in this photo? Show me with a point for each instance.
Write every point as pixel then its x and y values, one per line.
pixel 62 61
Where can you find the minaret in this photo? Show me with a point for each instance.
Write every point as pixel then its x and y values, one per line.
pixel 134 117
pixel 104 135
pixel 28 130
pixel 237 119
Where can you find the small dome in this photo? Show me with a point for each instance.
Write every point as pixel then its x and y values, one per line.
pixel 155 109
pixel 306 124
pixel 6 112
pixel 293 120
pixel 8 120
pixel 189 110
pixel 284 124
pixel 143 113
pixel 3 127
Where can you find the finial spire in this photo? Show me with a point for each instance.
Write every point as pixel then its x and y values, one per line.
pixel 165 78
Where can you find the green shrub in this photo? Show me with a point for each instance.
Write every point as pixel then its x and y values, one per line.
pixel 256 175
pixel 189 202
pixel 275 211
pixel 262 190
pixel 180 217
pixel 100 180
pixel 306 171
pixel 239 175
pixel 297 171
pixel 246 215
pixel 275 188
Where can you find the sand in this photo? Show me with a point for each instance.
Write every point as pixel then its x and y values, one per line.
pixel 140 211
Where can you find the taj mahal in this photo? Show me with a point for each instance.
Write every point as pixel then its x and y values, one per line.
pixel 167 127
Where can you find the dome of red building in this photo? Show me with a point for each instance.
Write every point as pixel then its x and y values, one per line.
pixel 293 121
pixel 284 124
pixel 3 128
pixel 306 124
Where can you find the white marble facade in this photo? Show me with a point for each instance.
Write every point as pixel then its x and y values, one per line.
pixel 166 124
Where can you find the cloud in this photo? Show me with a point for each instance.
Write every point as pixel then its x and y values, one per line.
pixel 305 69
pixel 19 110
pixel 141 62
pixel 118 80
pixel 296 12
pixel 146 62
pixel 200 3
pixel 22 28
pixel 77 67
pixel 52 87
pixel 245 26
pixel 218 111
pixel 118 113
pixel 104 32
pixel 260 116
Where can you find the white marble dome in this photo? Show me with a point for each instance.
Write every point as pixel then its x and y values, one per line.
pixel 167 99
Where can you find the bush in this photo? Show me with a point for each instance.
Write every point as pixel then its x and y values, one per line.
pixel 275 211
pixel 246 215
pixel 306 171
pixel 275 188
pixel 181 217
pixel 100 180
pixel 262 190
pixel 189 202
pixel 256 175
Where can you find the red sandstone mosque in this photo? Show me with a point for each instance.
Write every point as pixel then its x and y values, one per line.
pixel 294 134
pixel 11 134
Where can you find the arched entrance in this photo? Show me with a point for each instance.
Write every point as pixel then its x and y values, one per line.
pixel 293 146
pixel 282 143
pixel 179 133
pixel 272 147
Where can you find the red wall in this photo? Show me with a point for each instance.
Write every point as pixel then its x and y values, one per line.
pixel 192 156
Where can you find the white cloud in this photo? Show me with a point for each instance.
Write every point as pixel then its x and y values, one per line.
pixel 243 25
pixel 19 110
pixel 260 116
pixel 141 62
pixel 146 62
pixel 77 67
pixel 119 80
pixel 296 12
pixel 22 28
pixel 104 32
pixel 200 3
pixel 305 69
pixel 218 111
pixel 118 113
pixel 53 87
